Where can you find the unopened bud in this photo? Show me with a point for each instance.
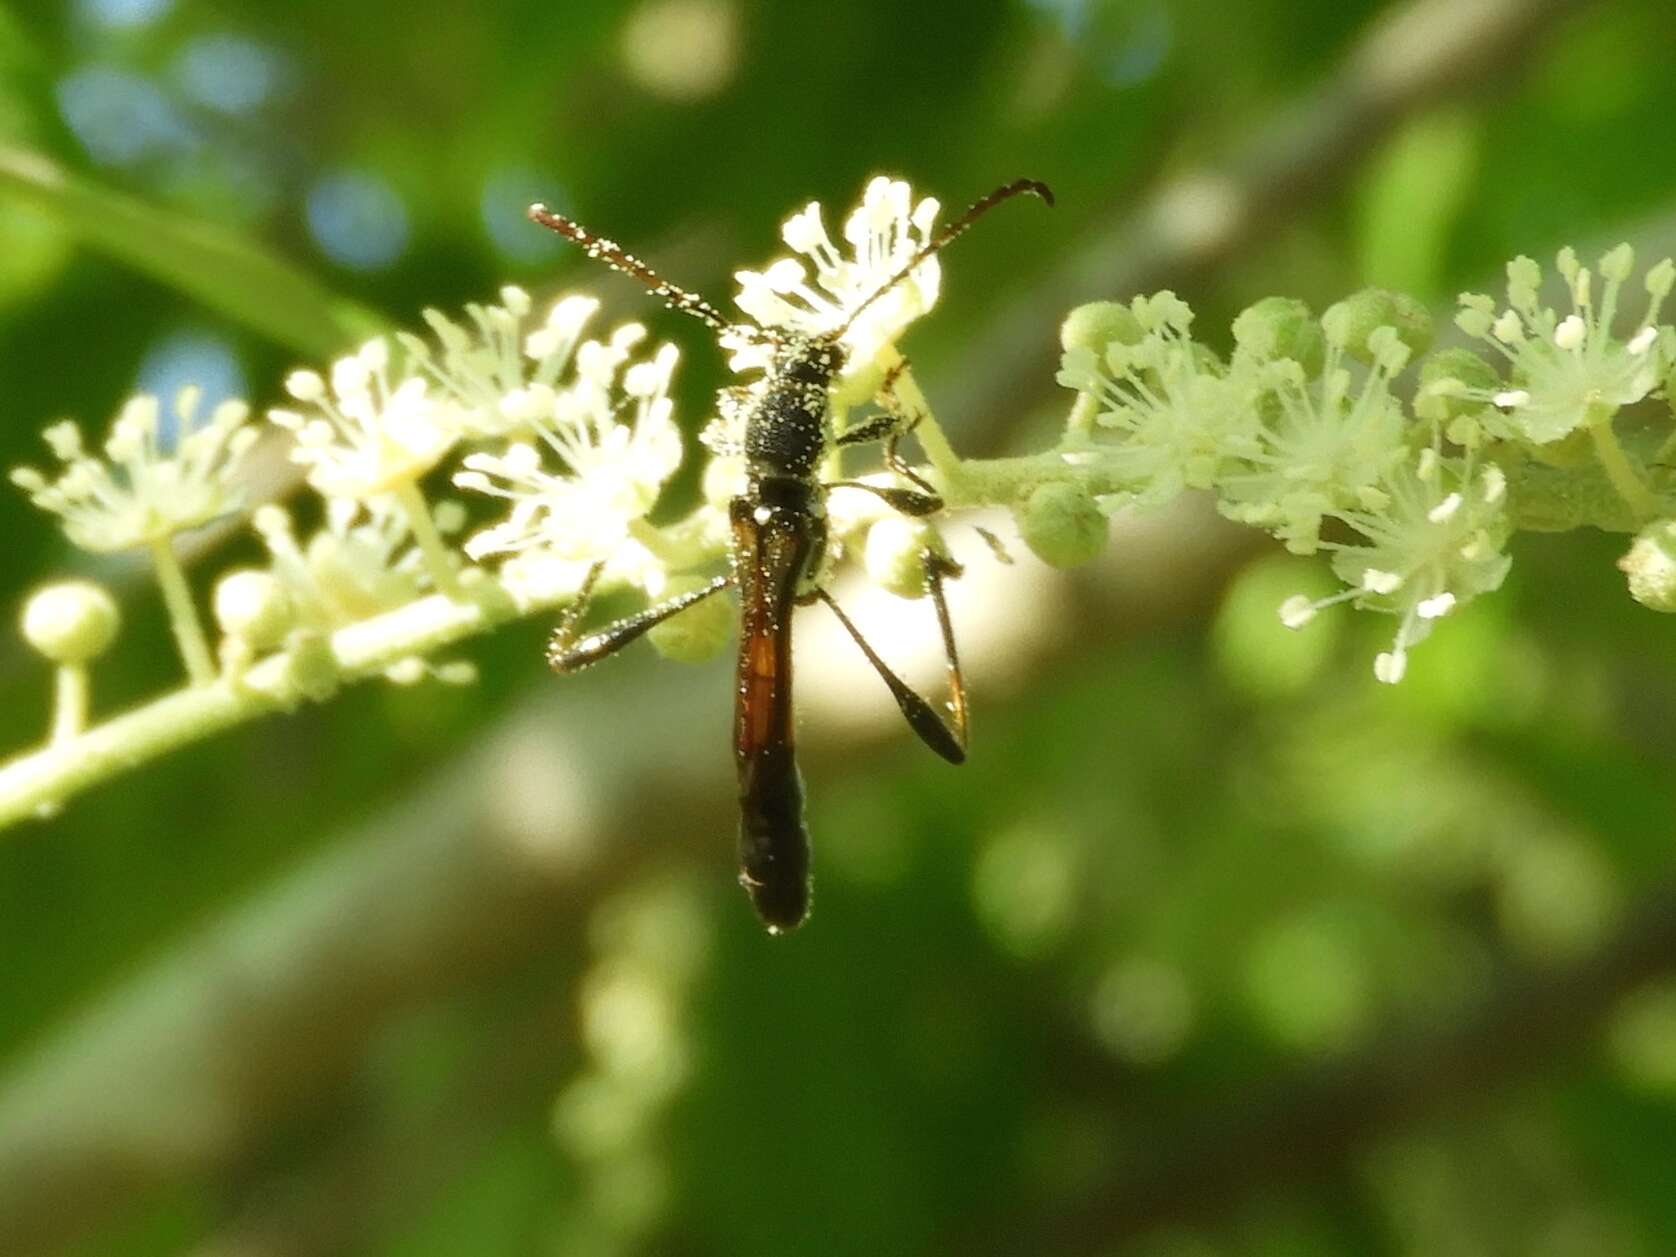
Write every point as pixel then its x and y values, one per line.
pixel 254 607
pixel 1354 319
pixel 1650 565
pixel 1098 324
pixel 1062 524
pixel 1281 327
pixel 72 622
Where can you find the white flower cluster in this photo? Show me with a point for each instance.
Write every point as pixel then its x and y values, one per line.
pixel 359 563
pixel 883 233
pixel 161 474
pixel 1300 432
pixel 1567 372
pixel 1326 445
pixel 1437 542
pixel 366 434
pixel 588 471
pixel 500 372
pixel 576 436
pixel 1174 417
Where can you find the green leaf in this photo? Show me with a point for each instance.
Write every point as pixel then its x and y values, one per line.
pixel 229 274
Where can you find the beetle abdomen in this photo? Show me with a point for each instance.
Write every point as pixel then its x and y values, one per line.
pixel 773 843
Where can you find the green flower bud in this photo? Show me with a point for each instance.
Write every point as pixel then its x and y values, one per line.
pixel 1445 378
pixel 895 554
pixel 1062 524
pixel 1099 324
pixel 697 633
pixel 254 607
pixel 1281 327
pixel 72 622
pixel 1354 319
pixel 1650 565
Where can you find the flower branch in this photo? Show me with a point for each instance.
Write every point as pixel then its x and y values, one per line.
pixel 1318 430
pixel 38 784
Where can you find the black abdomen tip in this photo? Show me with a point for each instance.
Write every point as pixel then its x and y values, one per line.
pixel 782 904
pixel 774 870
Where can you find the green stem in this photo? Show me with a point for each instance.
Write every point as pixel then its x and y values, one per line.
pixel 918 410
pixel 439 559
pixel 69 702
pixel 1005 481
pixel 183 613
pixel 1621 472
pixel 999 481
pixel 36 783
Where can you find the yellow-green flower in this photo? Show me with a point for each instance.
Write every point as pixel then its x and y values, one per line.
pixel 1568 371
pixel 155 479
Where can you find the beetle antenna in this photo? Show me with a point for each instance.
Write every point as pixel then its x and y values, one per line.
pixel 954 229
pixel 620 260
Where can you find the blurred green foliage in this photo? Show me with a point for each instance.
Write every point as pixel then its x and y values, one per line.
pixel 1194 860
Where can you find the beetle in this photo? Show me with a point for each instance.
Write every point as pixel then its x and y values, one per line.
pixel 779 537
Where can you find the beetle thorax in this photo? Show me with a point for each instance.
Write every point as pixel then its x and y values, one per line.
pixel 786 430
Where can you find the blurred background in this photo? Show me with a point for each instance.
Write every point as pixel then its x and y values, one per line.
pixel 1214 947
